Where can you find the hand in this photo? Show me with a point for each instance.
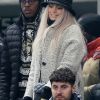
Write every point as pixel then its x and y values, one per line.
pixel 42 92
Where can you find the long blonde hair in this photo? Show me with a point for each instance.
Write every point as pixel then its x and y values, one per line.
pixel 59 25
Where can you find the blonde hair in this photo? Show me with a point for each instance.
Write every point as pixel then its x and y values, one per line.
pixel 59 25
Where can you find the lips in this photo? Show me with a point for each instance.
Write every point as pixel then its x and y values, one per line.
pixel 59 97
pixel 53 15
pixel 27 11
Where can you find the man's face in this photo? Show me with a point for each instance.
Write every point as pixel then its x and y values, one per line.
pixel 29 7
pixel 61 90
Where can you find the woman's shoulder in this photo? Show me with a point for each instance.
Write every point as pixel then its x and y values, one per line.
pixel 73 32
pixel 74 28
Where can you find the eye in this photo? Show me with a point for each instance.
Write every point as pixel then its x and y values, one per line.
pixel 64 87
pixel 30 1
pixel 59 7
pixel 23 1
pixel 51 5
pixel 54 87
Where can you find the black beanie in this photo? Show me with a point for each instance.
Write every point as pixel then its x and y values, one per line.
pixel 67 4
pixel 90 24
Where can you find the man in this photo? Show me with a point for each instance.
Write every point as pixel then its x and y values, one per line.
pixel 62 85
pixel 16 56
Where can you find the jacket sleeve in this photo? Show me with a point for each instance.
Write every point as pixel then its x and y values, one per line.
pixel 33 76
pixel 91 78
pixel 92 92
pixel 74 49
pixel 73 56
pixel 4 74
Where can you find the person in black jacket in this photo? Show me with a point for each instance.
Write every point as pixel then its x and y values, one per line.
pixel 16 56
pixel 62 85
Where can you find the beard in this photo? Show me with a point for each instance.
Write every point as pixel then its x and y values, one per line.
pixel 60 97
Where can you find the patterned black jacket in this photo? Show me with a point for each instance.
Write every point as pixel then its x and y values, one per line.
pixel 11 62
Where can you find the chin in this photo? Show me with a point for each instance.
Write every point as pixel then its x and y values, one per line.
pixel 53 19
pixel 59 98
pixel 28 15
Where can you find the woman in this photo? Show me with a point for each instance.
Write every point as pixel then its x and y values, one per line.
pixel 59 43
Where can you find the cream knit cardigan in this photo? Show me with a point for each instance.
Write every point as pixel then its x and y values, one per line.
pixel 69 53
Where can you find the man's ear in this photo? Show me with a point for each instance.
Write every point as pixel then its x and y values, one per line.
pixel 73 88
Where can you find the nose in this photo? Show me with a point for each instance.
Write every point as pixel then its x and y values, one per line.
pixel 54 9
pixel 26 4
pixel 59 91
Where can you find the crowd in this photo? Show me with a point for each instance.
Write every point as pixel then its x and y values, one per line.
pixel 50 55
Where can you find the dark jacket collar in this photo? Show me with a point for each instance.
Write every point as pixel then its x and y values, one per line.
pixel 74 97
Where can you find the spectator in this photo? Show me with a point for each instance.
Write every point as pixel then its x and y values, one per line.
pixel 91 69
pixel 59 43
pixel 63 85
pixel 16 56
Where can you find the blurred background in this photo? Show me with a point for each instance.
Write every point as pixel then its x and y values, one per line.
pixel 10 10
